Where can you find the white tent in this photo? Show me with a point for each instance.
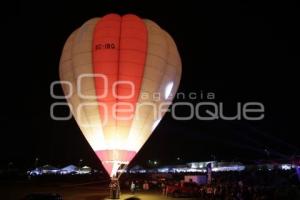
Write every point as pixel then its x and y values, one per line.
pixel 85 170
pixel 69 169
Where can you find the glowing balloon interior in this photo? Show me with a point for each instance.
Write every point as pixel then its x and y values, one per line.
pixel 118 66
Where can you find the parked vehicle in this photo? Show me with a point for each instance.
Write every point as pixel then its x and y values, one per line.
pixel 187 189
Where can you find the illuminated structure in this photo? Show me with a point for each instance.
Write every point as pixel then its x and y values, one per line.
pixel 119 75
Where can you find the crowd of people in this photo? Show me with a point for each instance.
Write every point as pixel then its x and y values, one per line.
pixel 250 185
pixel 237 191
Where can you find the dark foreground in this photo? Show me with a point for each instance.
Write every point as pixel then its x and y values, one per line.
pixel 247 185
pixel 82 191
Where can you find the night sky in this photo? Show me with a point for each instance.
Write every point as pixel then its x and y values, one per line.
pixel 240 51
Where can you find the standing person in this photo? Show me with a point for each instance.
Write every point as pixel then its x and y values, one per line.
pixel 146 186
pixel 114 189
pixel 209 192
pixel 163 187
pixel 209 173
pixel 132 187
pixel 167 189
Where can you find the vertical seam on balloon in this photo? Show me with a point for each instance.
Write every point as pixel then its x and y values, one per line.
pixel 75 81
pixel 165 64
pixel 94 82
pixel 142 78
pixel 69 40
pixel 85 113
pixel 141 82
pixel 105 136
pixel 118 76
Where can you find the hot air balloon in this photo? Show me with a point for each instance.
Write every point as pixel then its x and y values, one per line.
pixel 119 74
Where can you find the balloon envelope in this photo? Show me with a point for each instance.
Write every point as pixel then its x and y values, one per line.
pixel 119 74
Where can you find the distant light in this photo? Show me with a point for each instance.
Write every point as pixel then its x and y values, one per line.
pixel 229 168
pixel 122 170
pixel 163 170
pixel 286 167
pixel 168 89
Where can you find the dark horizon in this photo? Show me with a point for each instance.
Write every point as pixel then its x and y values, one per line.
pixel 239 51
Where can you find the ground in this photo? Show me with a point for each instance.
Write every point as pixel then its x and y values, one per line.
pixel 86 191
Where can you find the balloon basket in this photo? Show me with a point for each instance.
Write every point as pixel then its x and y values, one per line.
pixel 114 189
